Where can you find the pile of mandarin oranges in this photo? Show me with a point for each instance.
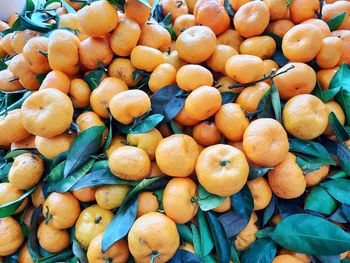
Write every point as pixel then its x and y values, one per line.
pixel 175 131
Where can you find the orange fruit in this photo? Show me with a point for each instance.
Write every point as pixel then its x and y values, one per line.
pixel 252 18
pixel 300 38
pixel 196 44
pixel 183 118
pixel 37 196
pixel 26 171
pixel 183 22
pixel 261 192
pixel 20 67
pixel 198 106
pixel 250 97
pixel 129 163
pixel 304 258
pixel 286 259
pixel 247 234
pixel 280 27
pixel 122 69
pixel 56 80
pixel 261 46
pixel 6 44
pixel 143 243
pixel 224 206
pixel 61 210
pixel 26 143
pixel 146 58
pixel 174 59
pixel 12 128
pixel 79 93
pixel 155 36
pixel 220 56
pixel 9 82
pixel 90 119
pixel 63 51
pixel 155 170
pixel 51 239
pixel 315 177
pixel 231 121
pixel 95 52
pixel 305 116
pixel 162 76
pixel 9 193
pixel 236 4
pixel 213 15
pixel 321 25
pixel 118 252
pixel 90 22
pixel 223 85
pixel 70 21
pixel 179 200
pixel 147 141
pixel 222 169
pixel 47 113
pixel 92 221
pixel 206 133
pixel 86 194
pixel 286 179
pixel 301 10
pixel 125 37
pixel 137 11
pixel 278 9
pixel 24 255
pixel 270 66
pixel 330 45
pixel 31 51
pixel 231 38
pixel 117 142
pixel 186 153
pixel 299 80
pixel 51 147
pixel 265 142
pixel 244 68
pixel 128 105
pixel 176 8
pixel 111 196
pixel 331 10
pixel 334 107
pixel 20 38
pixel 190 77
pixel 11 236
pixel 102 95
pixel 147 203
pixel 345 36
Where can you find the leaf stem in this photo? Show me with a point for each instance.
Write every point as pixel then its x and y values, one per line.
pixel 270 76
pixel 155 254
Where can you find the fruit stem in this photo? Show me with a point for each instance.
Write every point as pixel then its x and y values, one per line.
pixel 270 76
pixel 155 254
pixel 48 216
pixel 98 219
pixel 224 162
pixel 45 54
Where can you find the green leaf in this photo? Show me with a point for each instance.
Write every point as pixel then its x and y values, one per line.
pixel 339 130
pixel 10 208
pixel 243 202
pixel 320 201
pixel 261 251
pixel 175 128
pixel 343 154
pixel 196 241
pixel 185 232
pixel 110 133
pixel 310 235
pixel 341 78
pixel 59 257
pixel 147 124
pixel 330 94
pixel 228 97
pixel 56 173
pixel 3 65
pixel 335 22
pixel 93 78
pixel 275 37
pixel 66 184
pixel 265 106
pixel 339 189
pixel 308 166
pixel 207 243
pixel 280 58
pixel 16 104
pixel 5 169
pixel 208 201
pixel 79 252
pixel 98 178
pixel 343 98
pixel 337 175
pixel 121 223
pixel 33 245
pixel 289 2
pixel 276 102
pixel 86 144
pixel 229 9
pixel 220 239
pixel 256 172
pixel 18 152
pixel 269 210
pixel 68 7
